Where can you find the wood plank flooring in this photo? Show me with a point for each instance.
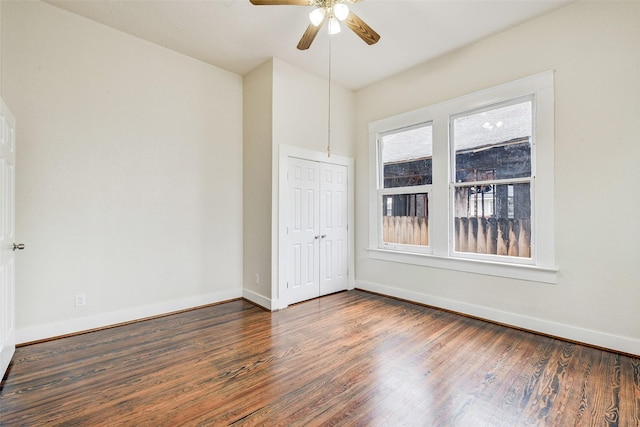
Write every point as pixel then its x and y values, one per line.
pixel 350 358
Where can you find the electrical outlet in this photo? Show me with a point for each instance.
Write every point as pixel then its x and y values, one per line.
pixel 81 299
pixel 257 279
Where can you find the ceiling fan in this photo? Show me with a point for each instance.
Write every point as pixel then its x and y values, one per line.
pixel 335 11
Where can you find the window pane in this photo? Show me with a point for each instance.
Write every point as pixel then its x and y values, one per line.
pixel 493 144
pixel 493 219
pixel 405 219
pixel 406 157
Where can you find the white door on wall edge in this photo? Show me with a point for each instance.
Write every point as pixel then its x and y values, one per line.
pixel 317 229
pixel 7 236
pixel 333 228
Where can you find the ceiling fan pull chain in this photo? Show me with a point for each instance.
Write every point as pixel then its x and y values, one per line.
pixel 329 112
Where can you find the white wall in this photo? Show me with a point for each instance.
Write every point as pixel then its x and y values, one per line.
pixel 129 173
pixel 257 152
pixel 593 48
pixel 300 119
pixel 300 112
pixel 284 105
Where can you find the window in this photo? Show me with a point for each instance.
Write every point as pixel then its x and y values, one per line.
pixel 467 184
pixel 405 162
pixel 492 179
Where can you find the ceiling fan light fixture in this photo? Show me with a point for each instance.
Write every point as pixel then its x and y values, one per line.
pixel 341 11
pixel 334 26
pixel 333 11
pixel 317 16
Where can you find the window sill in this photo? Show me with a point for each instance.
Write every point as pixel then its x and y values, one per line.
pixel 497 269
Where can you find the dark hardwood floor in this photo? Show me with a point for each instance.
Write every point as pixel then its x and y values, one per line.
pixel 351 358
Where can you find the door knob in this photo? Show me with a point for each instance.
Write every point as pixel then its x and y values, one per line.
pixel 18 246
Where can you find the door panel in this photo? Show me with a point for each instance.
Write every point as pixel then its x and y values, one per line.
pixel 7 237
pixel 302 233
pixel 333 229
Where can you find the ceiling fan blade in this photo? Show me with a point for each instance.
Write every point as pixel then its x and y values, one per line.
pixel 363 31
pixel 280 2
pixel 309 35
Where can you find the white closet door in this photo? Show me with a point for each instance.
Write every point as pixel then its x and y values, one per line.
pixel 7 237
pixel 333 228
pixel 317 230
pixel 303 230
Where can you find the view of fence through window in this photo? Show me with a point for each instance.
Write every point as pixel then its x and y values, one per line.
pixel 492 182
pixel 407 165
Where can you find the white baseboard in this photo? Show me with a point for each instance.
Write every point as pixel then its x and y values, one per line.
pixel 79 324
pixel 568 332
pixel 261 300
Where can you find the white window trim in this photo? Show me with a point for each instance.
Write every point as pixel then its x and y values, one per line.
pixel 541 267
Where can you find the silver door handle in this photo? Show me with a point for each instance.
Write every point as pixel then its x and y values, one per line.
pixel 18 246
pixel 320 237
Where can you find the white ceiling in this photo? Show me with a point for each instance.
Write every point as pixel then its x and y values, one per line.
pixel 238 36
